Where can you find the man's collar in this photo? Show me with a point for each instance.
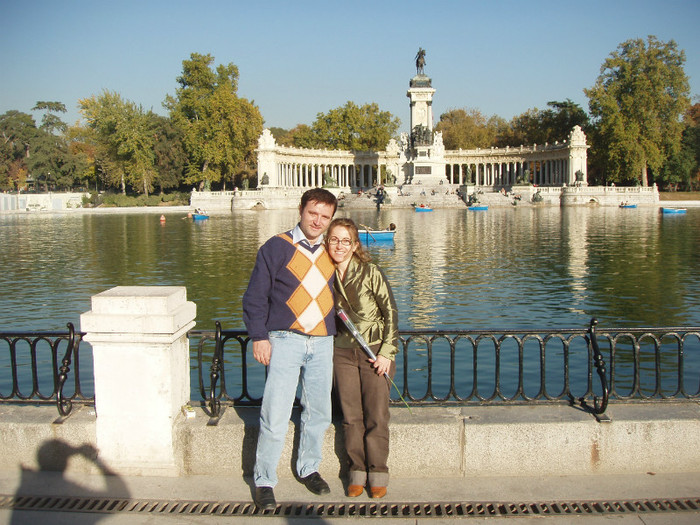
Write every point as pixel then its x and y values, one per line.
pixel 298 236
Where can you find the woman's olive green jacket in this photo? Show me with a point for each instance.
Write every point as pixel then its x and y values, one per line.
pixel 366 296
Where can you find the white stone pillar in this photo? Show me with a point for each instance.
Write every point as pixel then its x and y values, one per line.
pixel 142 378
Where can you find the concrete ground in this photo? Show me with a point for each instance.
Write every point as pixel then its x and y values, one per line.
pixel 405 493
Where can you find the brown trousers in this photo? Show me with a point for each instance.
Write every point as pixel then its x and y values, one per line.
pixel 364 399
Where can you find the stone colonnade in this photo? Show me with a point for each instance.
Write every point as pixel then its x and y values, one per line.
pixel 465 169
pixel 559 164
pixel 297 173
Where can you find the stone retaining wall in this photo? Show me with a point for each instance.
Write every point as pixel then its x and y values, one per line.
pixel 458 442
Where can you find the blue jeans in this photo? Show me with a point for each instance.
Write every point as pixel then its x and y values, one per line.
pixel 295 358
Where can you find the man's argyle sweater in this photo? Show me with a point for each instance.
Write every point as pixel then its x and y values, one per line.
pixel 291 288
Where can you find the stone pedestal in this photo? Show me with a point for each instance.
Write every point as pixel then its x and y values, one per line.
pixel 426 153
pixel 141 367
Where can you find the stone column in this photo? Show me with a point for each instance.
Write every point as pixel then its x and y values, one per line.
pixel 142 378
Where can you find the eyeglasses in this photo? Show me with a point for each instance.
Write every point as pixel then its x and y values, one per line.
pixel 334 240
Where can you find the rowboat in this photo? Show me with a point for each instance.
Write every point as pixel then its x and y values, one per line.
pixel 478 208
pixel 673 210
pixel 628 205
pixel 378 236
pixel 422 208
pixel 199 216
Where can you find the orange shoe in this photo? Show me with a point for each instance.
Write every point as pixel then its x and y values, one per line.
pixel 377 492
pixel 355 491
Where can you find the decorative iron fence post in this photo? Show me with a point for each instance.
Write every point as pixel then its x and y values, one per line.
pixel 214 403
pixel 599 406
pixel 65 405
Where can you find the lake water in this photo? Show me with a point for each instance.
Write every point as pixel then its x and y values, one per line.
pixel 453 269
pixel 503 268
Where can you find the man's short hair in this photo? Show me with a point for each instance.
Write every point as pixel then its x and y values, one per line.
pixel 318 195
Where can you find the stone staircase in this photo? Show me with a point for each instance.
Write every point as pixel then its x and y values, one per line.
pixel 409 197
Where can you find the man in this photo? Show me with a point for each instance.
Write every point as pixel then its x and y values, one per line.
pixel 288 312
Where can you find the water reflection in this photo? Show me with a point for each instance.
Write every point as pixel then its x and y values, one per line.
pixel 505 268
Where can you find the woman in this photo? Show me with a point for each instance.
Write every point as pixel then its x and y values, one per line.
pixel 362 290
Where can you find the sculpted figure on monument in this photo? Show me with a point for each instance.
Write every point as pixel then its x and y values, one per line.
pixel 421 136
pixel 420 61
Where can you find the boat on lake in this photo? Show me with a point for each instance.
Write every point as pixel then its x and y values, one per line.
pixel 422 207
pixel 477 208
pixel 199 215
pixel 673 210
pixel 378 236
pixel 628 205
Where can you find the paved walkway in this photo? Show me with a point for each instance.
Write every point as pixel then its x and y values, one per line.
pixel 402 492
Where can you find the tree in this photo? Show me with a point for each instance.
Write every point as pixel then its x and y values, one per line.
pixel 468 128
pixel 544 126
pixel 170 156
pixel 281 136
pixel 50 121
pixel 691 141
pixel 301 136
pixel 51 160
pixel 220 129
pixel 355 128
pixel 18 132
pixel 523 129
pixel 561 118
pixel 82 156
pixel 637 102
pixel 682 168
pixel 40 152
pixel 122 129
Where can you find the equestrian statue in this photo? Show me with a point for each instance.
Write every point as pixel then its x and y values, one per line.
pixel 420 61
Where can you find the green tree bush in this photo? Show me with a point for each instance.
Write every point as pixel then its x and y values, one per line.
pixel 220 129
pixel 637 103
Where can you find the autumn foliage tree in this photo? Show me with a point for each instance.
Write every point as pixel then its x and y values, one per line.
pixel 122 132
pixel 469 128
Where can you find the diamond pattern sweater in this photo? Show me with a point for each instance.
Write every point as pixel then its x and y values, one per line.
pixel 291 288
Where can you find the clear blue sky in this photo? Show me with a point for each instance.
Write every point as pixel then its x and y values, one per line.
pixel 299 58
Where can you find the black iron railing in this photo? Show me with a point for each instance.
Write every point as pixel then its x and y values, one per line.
pixel 35 367
pixel 588 365
pixel 484 367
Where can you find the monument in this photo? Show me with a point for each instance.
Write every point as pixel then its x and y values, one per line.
pixel 425 153
pixel 416 164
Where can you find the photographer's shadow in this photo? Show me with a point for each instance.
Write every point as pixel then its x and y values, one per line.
pixel 50 480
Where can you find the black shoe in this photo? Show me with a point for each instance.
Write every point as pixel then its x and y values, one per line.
pixel 265 498
pixel 314 482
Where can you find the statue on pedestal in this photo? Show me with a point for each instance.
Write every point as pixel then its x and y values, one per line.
pixel 420 61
